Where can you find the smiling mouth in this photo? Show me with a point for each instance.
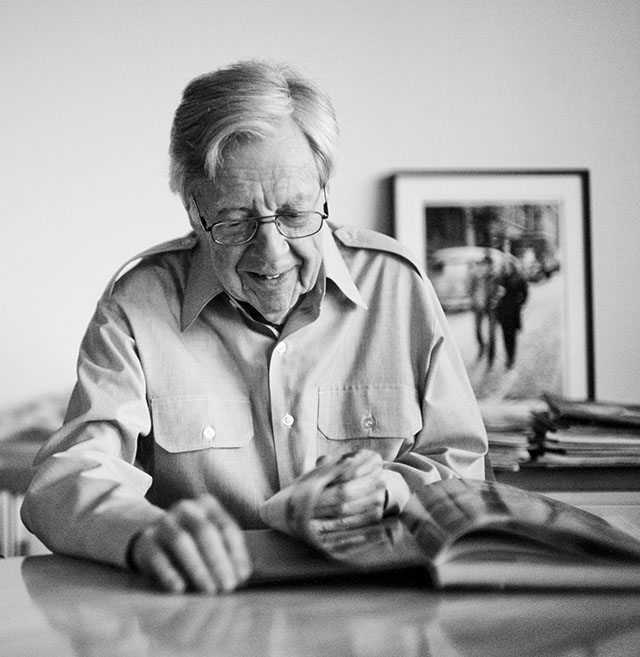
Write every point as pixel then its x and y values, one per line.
pixel 268 277
pixel 268 281
pixel 265 277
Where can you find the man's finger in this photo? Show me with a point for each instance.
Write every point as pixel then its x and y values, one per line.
pixel 321 525
pixel 179 536
pixel 373 505
pixel 353 540
pixel 211 553
pixel 351 497
pixel 231 535
pixel 357 464
pixel 152 561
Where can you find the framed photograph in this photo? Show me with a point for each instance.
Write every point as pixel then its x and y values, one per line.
pixel 508 253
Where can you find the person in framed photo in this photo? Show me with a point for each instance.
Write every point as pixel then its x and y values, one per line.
pixel 514 291
pixel 221 367
pixel 483 291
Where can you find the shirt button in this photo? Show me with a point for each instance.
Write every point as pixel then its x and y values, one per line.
pixel 287 420
pixel 368 422
pixel 209 432
pixel 281 347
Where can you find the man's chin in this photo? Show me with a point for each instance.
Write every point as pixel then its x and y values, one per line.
pixel 276 316
pixel 276 313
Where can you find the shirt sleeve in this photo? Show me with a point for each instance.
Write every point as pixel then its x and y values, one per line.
pixel 87 496
pixel 452 441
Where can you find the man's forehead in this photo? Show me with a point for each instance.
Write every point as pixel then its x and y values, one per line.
pixel 284 181
pixel 230 173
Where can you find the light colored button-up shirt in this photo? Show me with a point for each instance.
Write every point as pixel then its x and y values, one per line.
pixel 181 391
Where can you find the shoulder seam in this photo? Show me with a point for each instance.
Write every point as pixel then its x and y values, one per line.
pixel 179 244
pixel 364 238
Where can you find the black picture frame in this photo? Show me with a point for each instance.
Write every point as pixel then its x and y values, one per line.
pixel 541 217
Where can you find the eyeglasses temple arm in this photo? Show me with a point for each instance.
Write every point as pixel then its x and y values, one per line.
pixel 325 205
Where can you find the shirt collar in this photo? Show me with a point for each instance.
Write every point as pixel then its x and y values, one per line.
pixel 203 285
pixel 335 268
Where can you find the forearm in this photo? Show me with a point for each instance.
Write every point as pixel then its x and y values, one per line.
pixel 89 505
pixel 87 496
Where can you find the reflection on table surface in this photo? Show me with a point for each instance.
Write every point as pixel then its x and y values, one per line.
pixel 54 605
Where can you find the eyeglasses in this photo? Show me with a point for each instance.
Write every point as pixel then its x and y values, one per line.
pixel 292 224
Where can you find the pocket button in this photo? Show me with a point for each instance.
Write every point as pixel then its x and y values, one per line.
pixel 368 422
pixel 287 420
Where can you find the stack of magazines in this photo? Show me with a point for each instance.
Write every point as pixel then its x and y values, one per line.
pixel 560 432
pixel 586 434
pixel 510 430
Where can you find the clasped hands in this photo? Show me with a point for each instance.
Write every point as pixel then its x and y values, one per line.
pixel 198 545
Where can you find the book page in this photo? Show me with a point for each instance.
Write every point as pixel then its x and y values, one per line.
pixel 439 514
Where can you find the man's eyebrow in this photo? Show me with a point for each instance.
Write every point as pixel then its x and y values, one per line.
pixel 300 198
pixel 298 201
pixel 295 203
pixel 231 208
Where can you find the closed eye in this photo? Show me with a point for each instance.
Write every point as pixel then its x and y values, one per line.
pixel 233 223
pixel 295 219
pixel 237 215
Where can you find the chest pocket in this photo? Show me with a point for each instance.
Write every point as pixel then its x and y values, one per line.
pixel 186 424
pixel 379 417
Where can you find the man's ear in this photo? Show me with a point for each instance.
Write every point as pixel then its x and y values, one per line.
pixel 193 214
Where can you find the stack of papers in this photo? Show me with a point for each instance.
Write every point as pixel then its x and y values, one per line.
pixel 560 432
pixel 590 434
pixel 510 432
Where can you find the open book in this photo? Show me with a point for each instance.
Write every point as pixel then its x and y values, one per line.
pixel 458 533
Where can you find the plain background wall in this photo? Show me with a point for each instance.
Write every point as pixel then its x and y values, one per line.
pixel 88 89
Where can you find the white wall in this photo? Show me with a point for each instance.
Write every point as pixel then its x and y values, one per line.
pixel 88 89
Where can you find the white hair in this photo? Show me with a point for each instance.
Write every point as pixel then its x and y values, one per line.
pixel 249 99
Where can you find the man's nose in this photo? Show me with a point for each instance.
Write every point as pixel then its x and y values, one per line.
pixel 268 239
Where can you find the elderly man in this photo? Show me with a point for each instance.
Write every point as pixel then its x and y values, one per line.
pixel 225 365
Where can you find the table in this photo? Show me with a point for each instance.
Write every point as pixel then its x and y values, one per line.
pixel 54 605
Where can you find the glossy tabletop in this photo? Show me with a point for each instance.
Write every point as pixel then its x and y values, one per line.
pixel 53 605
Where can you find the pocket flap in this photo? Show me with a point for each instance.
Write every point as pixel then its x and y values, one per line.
pixel 382 411
pixel 185 424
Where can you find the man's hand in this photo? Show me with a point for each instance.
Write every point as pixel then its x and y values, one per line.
pixel 356 495
pixel 196 545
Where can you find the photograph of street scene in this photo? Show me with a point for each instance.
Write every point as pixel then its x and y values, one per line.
pixel 498 274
